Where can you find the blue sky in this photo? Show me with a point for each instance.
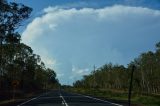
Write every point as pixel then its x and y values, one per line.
pixel 74 35
pixel 39 5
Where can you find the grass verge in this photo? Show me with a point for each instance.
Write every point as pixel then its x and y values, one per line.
pixel 19 97
pixel 119 95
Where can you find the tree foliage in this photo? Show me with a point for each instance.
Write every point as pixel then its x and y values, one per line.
pixel 146 75
pixel 17 60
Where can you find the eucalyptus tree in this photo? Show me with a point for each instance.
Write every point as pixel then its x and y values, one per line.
pixel 146 75
pixel 11 17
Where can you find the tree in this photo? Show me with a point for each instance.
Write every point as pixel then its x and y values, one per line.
pixel 11 17
pixel 146 75
pixel 17 60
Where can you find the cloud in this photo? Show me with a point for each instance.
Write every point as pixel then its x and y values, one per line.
pixel 76 72
pixel 60 75
pixel 83 37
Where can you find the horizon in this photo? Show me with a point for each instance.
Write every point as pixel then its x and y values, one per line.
pixel 105 31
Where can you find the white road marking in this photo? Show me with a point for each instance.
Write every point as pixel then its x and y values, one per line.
pixel 64 101
pixel 103 100
pixel 32 99
pixel 98 99
pixel 72 96
pixel 49 97
pixel 26 102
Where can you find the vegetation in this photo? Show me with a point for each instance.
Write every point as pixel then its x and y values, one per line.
pixel 20 68
pixel 24 71
pixel 109 77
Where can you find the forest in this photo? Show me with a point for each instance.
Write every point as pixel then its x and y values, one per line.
pixel 146 77
pixel 20 67
pixel 22 71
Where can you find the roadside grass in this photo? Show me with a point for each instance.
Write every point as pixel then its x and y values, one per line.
pixel 148 100
pixel 19 97
pixel 5 102
pixel 142 100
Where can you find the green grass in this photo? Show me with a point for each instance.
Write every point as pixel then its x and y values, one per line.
pixel 149 100
pixel 19 96
pixel 6 101
pixel 10 101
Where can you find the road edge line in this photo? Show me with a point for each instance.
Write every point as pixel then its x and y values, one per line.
pixel 99 99
pixel 32 99
pixel 26 102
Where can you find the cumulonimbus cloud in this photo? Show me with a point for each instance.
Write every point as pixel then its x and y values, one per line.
pixel 87 36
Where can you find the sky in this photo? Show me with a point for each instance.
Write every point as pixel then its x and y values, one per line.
pixel 72 36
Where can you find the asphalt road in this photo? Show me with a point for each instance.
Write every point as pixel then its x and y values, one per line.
pixel 62 98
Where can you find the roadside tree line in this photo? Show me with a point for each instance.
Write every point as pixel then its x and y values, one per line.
pixel 18 63
pixel 146 77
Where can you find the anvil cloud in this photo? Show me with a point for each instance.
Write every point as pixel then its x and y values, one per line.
pixel 72 40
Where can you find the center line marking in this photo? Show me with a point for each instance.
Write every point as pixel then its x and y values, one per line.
pixel 63 100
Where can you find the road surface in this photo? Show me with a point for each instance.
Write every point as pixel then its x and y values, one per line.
pixel 62 98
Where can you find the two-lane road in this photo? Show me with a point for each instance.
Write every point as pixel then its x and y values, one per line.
pixel 57 98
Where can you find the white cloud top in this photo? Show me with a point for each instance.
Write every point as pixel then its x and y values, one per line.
pixel 87 36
